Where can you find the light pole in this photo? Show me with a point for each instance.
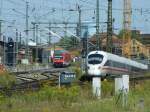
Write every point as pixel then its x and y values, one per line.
pixel 36 43
pixel 79 27
pixel 49 36
pixel 27 47
pixel 16 46
pixel 78 31
pixel 109 44
pixel 1 6
pixel 27 27
pixel 97 25
pixel 4 53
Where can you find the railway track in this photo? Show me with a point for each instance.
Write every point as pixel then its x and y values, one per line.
pixel 37 78
pixel 34 79
pixel 140 78
pixel 40 71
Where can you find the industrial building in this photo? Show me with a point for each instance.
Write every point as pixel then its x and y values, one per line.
pixel 138 48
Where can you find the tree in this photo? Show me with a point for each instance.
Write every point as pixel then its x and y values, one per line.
pixel 68 42
pixel 120 35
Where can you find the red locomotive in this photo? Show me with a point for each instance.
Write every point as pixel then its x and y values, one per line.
pixel 61 58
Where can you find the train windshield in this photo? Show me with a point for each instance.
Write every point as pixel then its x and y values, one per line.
pixel 58 57
pixel 95 59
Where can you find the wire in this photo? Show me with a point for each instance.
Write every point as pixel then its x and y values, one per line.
pixel 12 2
pixel 87 2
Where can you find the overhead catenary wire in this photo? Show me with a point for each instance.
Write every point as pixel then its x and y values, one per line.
pixel 89 6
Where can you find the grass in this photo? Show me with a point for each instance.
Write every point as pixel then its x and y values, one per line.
pixel 76 99
pixel 6 79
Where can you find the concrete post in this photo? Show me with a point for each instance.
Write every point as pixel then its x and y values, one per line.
pixel 122 84
pixel 96 84
pixel 122 88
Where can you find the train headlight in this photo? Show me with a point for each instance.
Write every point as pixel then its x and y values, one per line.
pixel 88 67
pixel 99 67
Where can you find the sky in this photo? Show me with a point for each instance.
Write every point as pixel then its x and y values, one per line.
pixel 12 12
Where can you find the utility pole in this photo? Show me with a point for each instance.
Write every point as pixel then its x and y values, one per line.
pixel 34 38
pixel 2 38
pixel 0 30
pixel 126 49
pixel 65 32
pixel 79 24
pixel 16 46
pixel 27 25
pixel 4 51
pixel 109 44
pixel 14 52
pixel 1 8
pixel 97 25
pixel 20 36
pixel 85 48
pixel 49 39
pixel 36 43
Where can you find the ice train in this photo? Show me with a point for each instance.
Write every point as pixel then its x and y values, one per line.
pixel 100 63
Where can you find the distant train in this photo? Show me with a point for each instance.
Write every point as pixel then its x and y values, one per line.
pixel 103 63
pixel 61 58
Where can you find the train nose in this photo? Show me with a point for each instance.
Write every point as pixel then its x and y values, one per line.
pixel 94 70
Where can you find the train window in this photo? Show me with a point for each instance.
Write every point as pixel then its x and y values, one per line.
pixel 108 63
pixel 58 57
pixel 115 64
pixel 95 59
pixel 135 69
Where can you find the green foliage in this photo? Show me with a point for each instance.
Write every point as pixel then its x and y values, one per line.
pixel 120 35
pixel 64 95
pixel 68 42
pixel 75 53
pixel 7 80
pixel 76 70
pixel 76 99
pixel 107 88
pixel 135 35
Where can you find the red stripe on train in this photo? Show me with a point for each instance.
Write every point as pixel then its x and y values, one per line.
pixel 116 69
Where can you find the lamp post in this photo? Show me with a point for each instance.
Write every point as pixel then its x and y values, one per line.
pixel 17 46
pixel 27 25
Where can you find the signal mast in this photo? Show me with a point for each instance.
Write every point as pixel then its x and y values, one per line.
pixel 126 48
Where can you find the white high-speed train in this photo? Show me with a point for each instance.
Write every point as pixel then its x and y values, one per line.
pixel 100 63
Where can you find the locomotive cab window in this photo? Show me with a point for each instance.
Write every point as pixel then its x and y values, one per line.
pixel 58 57
pixel 95 59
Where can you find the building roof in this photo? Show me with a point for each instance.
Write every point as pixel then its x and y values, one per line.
pixel 103 37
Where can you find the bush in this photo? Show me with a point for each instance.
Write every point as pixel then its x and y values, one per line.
pixel 64 95
pixel 77 71
pixel 107 88
pixel 7 80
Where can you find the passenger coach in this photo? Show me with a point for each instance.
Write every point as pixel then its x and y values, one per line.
pixel 103 63
pixel 61 58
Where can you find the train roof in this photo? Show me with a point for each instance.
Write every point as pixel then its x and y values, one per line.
pixel 60 51
pixel 120 59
